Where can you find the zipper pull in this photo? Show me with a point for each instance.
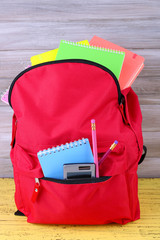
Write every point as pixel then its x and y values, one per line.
pixel 14 134
pixel 121 108
pixel 36 190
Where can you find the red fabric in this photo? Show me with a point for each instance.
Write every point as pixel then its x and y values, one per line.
pixel 54 104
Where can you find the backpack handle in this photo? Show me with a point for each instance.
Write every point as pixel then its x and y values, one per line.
pixel 143 155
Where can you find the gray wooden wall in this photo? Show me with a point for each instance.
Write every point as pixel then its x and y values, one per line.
pixel 35 26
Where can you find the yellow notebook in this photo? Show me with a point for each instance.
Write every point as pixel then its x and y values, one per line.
pixel 49 56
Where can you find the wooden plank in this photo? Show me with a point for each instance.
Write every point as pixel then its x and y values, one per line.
pixel 16 228
pixel 5 139
pixel 149 168
pixel 72 10
pixel 151 116
pixel 151 140
pixel 20 35
pixel 149 99
pixel 6 170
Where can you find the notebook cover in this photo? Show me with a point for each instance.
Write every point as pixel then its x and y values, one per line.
pixel 52 160
pixel 132 66
pixel 110 59
pixel 48 56
pixel 4 95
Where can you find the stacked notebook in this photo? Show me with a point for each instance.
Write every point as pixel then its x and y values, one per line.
pixel 125 64
pixel 109 58
pixel 132 65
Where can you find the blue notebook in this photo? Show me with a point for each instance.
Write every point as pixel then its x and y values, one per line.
pixel 53 159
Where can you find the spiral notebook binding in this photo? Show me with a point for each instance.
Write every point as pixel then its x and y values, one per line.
pixel 93 47
pixel 62 147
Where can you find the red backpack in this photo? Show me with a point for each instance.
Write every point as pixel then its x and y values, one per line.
pixel 54 103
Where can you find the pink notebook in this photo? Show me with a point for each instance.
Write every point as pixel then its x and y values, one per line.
pixel 132 65
pixel 4 96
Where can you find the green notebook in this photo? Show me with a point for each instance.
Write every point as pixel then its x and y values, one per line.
pixel 109 58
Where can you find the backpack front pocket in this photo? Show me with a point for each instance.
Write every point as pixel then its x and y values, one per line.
pixel 99 201
pixel 82 201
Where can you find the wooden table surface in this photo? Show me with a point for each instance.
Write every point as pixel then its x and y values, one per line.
pixel 35 26
pixel 147 228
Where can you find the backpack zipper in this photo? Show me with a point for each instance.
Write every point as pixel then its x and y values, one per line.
pixel 122 110
pixel 66 61
pixel 77 181
pixel 37 185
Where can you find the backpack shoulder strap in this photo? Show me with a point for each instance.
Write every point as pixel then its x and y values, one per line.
pixel 143 155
